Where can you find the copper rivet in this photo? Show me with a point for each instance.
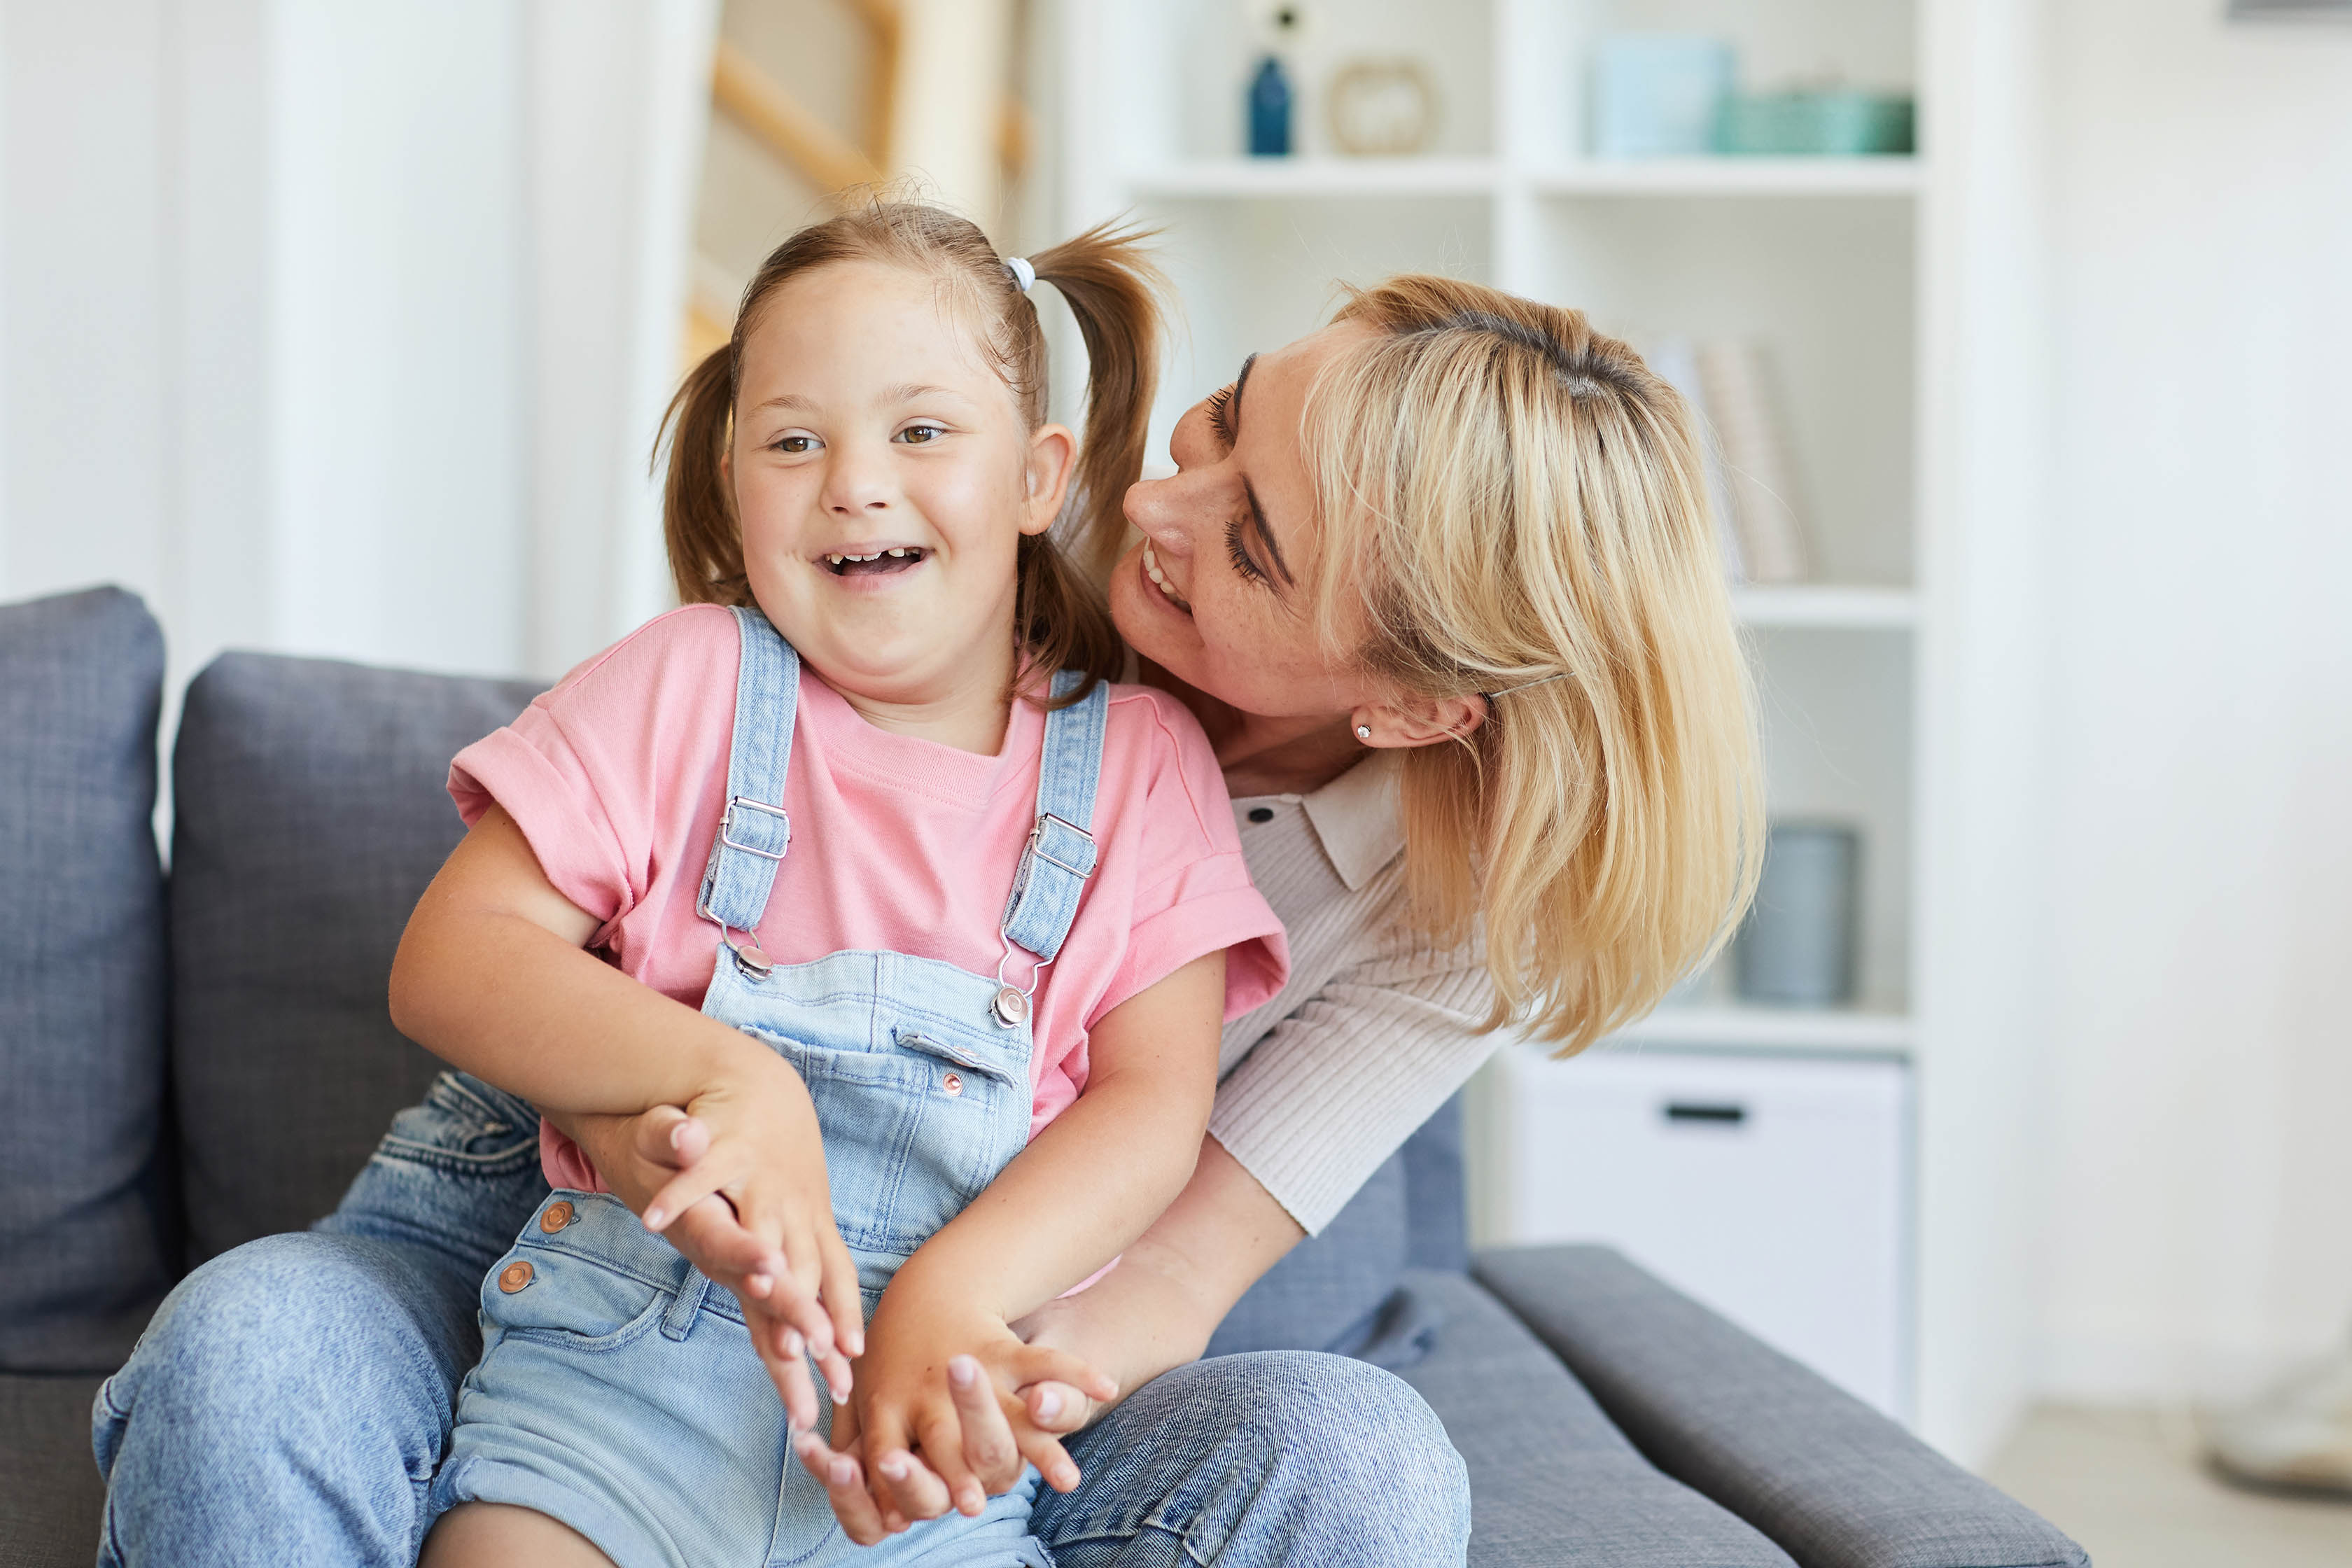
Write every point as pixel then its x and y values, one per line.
pixel 514 1277
pixel 952 1083
pixel 557 1215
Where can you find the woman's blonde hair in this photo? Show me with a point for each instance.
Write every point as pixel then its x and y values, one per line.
pixel 1513 505
pixel 1112 291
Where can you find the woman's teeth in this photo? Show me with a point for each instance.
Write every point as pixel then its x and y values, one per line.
pixel 896 559
pixel 1160 579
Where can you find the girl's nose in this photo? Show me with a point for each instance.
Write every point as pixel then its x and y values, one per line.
pixel 857 482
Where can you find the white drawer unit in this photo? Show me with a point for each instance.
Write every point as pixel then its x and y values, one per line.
pixel 1776 1189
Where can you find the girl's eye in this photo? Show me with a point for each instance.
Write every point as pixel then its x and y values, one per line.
pixel 1241 557
pixel 921 435
pixel 1220 403
pixel 796 443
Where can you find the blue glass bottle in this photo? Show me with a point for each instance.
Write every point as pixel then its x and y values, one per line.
pixel 1269 110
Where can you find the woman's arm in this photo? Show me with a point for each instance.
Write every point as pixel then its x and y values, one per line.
pixel 492 976
pixel 1172 1288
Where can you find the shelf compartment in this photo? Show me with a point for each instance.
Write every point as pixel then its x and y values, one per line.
pixel 1874 176
pixel 1772 1030
pixel 1260 178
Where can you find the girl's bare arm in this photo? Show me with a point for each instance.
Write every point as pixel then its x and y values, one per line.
pixel 493 977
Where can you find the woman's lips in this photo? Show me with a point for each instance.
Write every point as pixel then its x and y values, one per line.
pixel 1158 580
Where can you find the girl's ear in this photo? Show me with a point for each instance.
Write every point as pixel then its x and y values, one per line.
pixel 1418 721
pixel 1053 456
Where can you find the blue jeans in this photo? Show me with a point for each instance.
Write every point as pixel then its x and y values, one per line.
pixel 291 1401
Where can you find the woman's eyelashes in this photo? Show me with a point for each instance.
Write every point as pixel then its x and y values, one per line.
pixel 1221 414
pixel 1240 553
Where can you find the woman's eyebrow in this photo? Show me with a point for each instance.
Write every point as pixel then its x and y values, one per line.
pixel 1257 512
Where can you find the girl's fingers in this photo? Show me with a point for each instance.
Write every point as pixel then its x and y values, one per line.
pixel 714 1240
pixel 1044 1451
pixel 942 1436
pixel 1056 1406
pixel 989 1448
pixel 1036 1363
pixel 683 1191
pixel 909 1489
pixel 840 1291
pixel 844 1479
pixel 689 1138
pixel 803 1259
pixel 652 1138
pixel 787 1369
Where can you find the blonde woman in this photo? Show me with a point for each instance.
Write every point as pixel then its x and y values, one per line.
pixel 1440 582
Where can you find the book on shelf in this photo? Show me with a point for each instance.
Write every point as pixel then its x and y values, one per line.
pixel 1751 472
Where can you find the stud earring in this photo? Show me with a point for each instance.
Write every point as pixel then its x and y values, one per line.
pixel 1364 733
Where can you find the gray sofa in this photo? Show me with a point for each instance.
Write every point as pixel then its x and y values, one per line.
pixel 192 1060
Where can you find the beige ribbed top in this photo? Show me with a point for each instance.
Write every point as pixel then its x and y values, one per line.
pixel 1372 1033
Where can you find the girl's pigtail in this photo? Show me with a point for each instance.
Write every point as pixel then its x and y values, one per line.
pixel 706 556
pixel 1113 291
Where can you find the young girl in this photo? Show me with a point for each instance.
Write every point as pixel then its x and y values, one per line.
pixel 960 930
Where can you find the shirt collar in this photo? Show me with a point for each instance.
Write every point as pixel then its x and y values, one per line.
pixel 1358 819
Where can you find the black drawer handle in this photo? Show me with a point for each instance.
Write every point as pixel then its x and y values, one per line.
pixel 1720 1115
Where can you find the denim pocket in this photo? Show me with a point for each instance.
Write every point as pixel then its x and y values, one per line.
pixel 566 1299
pixel 912 1134
pixel 465 1127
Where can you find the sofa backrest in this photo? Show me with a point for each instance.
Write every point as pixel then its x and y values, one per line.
pixel 309 814
pixel 86 1216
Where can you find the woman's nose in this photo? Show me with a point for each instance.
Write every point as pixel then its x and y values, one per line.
pixel 1169 510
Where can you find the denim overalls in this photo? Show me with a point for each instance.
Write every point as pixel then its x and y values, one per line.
pixel 618 1391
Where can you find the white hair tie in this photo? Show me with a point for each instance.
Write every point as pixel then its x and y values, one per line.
pixel 1023 275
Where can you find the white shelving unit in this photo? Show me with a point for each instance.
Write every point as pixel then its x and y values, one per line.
pixel 1885 290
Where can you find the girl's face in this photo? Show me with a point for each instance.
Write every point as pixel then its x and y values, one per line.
pixel 1233 536
pixel 884 474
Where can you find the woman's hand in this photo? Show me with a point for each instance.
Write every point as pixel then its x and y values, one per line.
pixel 641 1156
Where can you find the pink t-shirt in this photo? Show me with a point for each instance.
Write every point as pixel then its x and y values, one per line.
pixel 618 776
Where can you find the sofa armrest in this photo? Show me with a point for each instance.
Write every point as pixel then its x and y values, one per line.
pixel 1833 1482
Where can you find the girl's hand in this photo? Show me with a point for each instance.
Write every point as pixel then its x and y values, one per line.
pixel 938 1375
pixel 766 1158
pixel 640 1156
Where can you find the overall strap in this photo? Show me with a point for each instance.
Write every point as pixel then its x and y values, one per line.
pixel 754 831
pixel 1060 856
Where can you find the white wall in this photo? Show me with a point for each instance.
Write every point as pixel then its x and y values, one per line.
pixel 344 330
pixel 2200 893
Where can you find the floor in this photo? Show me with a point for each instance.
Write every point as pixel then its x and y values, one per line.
pixel 2126 1484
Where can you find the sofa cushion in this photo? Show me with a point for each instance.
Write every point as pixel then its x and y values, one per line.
pixel 312 812
pixel 1833 1481
pixel 1337 1290
pixel 85 1218
pixel 50 1496
pixel 1553 1482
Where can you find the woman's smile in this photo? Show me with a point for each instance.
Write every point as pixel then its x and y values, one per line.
pixel 1159 577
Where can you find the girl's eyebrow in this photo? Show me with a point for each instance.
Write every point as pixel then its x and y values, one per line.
pixel 910 391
